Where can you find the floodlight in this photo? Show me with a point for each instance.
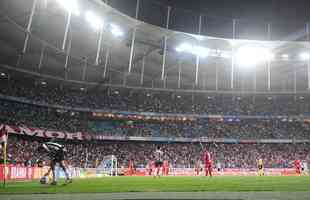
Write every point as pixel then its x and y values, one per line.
pixel 116 31
pixel 226 54
pixel 195 50
pixel 93 20
pixel 70 6
pixel 252 55
pixel 2 74
pixel 198 37
pixel 184 47
pixel 304 56
pixel 269 56
pixel 200 51
pixel 285 56
pixel 43 82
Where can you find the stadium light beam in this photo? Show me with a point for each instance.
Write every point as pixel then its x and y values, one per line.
pixel 251 55
pixel 70 6
pixel 195 50
pixel 304 56
pixel 116 30
pixel 93 20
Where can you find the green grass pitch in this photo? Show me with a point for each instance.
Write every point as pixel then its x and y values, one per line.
pixel 163 184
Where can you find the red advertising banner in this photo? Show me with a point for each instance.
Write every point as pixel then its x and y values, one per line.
pixel 22 173
pixel 225 172
pixel 32 173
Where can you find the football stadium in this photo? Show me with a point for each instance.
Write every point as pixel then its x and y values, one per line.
pixel 143 99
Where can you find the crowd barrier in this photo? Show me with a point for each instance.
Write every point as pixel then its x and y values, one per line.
pixel 33 173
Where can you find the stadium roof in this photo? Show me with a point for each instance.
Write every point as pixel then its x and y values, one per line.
pixel 286 70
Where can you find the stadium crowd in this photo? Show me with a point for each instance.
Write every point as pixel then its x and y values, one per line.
pixel 22 151
pixel 168 102
pixel 20 114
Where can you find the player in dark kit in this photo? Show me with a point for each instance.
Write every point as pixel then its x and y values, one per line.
pixel 158 154
pixel 56 153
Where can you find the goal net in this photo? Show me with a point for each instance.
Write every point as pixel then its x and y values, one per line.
pixel 108 166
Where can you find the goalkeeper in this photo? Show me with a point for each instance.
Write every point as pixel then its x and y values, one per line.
pixel 56 153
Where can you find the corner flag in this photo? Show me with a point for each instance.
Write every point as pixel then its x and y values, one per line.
pixel 3 141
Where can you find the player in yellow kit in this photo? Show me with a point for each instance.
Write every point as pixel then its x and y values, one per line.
pixel 260 167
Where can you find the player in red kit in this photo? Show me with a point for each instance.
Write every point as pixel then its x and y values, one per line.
pixel 130 168
pixel 297 164
pixel 208 163
pixel 165 167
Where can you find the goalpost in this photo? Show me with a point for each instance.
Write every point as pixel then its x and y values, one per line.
pixel 108 166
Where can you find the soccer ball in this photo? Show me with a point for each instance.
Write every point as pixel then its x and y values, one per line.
pixel 44 180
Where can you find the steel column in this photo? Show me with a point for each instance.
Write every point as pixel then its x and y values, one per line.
pixel 269 61
pixel 66 30
pixel 99 46
pixel 133 39
pixel 179 74
pixel 197 56
pixel 107 54
pixel 67 58
pixel 233 57
pixel 28 30
pixel 165 45
pixel 41 57
pixel 142 71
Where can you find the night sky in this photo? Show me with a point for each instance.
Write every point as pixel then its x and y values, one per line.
pixel 287 17
pixel 273 10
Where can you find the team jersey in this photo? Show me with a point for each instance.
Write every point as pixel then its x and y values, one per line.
pixel 297 163
pixel 158 154
pixel 53 149
pixel 207 157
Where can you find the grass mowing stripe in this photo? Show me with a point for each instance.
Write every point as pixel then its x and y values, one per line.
pixel 164 184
